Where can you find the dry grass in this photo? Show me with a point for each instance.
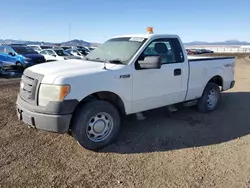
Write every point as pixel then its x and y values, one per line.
pixel 185 149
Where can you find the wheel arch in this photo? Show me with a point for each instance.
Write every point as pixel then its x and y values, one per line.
pixel 108 96
pixel 217 80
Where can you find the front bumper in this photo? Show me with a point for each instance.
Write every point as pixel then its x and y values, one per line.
pixel 42 119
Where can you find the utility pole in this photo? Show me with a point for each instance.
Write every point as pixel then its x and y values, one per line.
pixel 69 31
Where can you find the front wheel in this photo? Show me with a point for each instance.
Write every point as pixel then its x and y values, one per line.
pixel 210 98
pixel 19 66
pixel 95 124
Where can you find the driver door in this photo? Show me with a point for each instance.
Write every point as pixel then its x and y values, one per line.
pixel 153 88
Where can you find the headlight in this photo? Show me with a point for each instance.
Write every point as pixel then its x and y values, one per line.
pixel 49 93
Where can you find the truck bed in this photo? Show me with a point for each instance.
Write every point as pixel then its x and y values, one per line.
pixel 206 58
pixel 204 69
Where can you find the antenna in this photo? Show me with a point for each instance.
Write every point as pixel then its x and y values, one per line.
pixel 104 65
pixel 106 60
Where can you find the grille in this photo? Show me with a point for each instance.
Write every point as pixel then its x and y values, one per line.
pixel 29 86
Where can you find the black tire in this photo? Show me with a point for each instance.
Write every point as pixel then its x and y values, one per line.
pixel 19 66
pixel 203 104
pixel 82 118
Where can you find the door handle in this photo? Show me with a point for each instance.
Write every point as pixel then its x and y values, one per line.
pixel 177 72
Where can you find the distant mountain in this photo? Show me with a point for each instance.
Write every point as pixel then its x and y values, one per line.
pixel 228 42
pixel 74 42
pixel 77 42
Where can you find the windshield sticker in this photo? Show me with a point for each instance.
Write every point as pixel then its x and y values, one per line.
pixel 136 39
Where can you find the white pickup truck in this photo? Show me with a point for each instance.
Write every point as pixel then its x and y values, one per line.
pixel 125 75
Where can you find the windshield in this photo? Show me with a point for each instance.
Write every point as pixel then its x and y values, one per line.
pixel 65 47
pixel 34 47
pixel 121 49
pixel 61 53
pixel 24 50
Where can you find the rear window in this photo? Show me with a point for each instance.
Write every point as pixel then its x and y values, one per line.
pixel 34 47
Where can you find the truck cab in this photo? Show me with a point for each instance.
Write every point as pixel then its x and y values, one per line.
pixel 126 75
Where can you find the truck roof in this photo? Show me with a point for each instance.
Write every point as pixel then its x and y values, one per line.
pixel 148 35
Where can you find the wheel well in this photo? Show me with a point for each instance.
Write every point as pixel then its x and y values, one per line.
pixel 217 80
pixel 110 97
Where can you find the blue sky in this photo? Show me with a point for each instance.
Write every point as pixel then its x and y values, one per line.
pixel 97 20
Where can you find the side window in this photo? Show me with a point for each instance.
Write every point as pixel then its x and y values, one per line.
pixel 168 48
pixel 43 52
pixel 8 50
pixel 50 52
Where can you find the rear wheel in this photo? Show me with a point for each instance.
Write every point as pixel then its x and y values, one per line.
pixel 95 124
pixel 210 98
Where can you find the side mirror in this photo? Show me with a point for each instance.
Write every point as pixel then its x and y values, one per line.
pixel 11 53
pixel 151 62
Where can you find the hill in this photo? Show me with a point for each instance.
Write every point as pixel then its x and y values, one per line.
pixel 228 42
pixel 74 42
pixel 77 42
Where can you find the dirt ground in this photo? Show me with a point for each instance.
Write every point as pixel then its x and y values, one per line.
pixel 185 149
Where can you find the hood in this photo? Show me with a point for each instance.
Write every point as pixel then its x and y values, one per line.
pixel 32 55
pixel 72 57
pixel 69 68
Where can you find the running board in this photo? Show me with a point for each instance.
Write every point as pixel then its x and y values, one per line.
pixel 190 103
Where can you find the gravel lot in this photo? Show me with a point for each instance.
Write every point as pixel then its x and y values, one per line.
pixel 184 149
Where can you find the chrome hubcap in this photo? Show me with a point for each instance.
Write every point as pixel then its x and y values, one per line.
pixel 212 98
pixel 99 127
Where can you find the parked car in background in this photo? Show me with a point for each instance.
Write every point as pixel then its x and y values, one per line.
pixel 7 64
pixel 66 47
pixel 84 51
pixel 189 52
pixel 77 53
pixel 46 47
pixel 91 48
pixel 57 54
pixel 36 48
pixel 1 67
pixel 198 51
pixel 20 55
pixel 205 51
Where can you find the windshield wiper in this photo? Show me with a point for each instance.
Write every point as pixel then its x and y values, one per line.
pixel 116 61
